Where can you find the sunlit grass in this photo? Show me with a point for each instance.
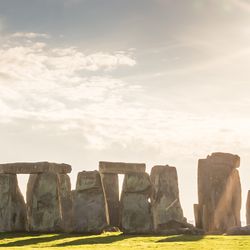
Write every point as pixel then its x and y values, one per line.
pixel 116 241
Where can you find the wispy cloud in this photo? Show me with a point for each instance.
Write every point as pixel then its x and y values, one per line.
pixel 42 83
pixel 29 35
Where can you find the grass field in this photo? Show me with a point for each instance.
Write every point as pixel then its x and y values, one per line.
pixel 116 241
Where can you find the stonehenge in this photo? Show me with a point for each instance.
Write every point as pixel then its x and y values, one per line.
pixel 219 193
pixel 146 204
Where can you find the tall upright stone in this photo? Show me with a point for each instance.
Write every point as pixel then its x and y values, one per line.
pixel 136 217
pixel 13 216
pixel 89 205
pixel 219 193
pixel 248 208
pixel 66 202
pixel 111 189
pixel 165 199
pixel 43 203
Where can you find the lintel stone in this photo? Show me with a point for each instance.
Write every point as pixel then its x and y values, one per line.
pixel 121 167
pixel 34 168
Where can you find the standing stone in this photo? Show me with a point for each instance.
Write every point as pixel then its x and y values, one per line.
pixel 66 202
pixel 89 205
pixel 165 200
pixel 111 190
pixel 13 217
pixel 136 214
pixel 219 192
pixel 248 208
pixel 43 203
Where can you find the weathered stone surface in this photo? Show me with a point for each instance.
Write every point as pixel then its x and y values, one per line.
pixel 121 167
pixel 13 217
pixel 224 159
pixel 165 197
pixel 136 214
pixel 43 203
pixel 219 192
pixel 248 208
pixel 89 206
pixel 111 190
pixel 34 168
pixel 66 202
pixel 137 183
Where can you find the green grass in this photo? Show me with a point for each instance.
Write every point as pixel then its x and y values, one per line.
pixel 116 241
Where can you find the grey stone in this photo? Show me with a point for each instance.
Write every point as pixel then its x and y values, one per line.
pixel 89 204
pixel 137 183
pixel 43 203
pixel 219 193
pixel 165 198
pixel 34 168
pixel 13 216
pixel 66 202
pixel 121 167
pixel 111 190
pixel 136 217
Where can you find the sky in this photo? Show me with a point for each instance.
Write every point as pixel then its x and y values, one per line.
pixel 152 81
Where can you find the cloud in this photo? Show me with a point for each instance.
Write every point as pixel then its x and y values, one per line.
pixel 36 61
pixel 44 84
pixel 62 90
pixel 29 35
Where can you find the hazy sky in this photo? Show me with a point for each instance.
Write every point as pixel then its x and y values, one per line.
pixel 154 81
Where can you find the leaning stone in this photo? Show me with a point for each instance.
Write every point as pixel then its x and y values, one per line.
pixel 136 217
pixel 89 205
pixel 165 198
pixel 43 203
pixel 13 216
pixel 34 168
pixel 111 190
pixel 121 167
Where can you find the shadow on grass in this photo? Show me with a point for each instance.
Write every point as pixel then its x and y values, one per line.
pixel 181 238
pixel 17 235
pixel 32 240
pixel 96 240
